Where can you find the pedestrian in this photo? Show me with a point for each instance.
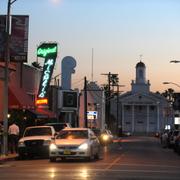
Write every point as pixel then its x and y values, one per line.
pixel 13 137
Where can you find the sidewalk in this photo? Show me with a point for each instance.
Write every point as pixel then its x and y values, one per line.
pixel 8 157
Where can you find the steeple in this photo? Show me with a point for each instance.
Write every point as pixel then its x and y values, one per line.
pixel 140 73
pixel 140 84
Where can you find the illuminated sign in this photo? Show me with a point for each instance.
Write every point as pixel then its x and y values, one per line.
pixel 46 77
pixel 177 120
pixel 41 101
pixel 47 50
pixel 92 114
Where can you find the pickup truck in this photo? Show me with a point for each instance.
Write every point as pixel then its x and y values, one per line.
pixel 35 141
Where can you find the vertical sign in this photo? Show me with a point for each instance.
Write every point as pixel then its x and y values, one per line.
pixel 49 52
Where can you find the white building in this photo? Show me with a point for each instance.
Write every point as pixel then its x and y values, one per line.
pixel 140 110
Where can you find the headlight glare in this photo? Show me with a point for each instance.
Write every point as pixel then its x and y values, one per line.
pixel 52 147
pixel 105 137
pixel 83 146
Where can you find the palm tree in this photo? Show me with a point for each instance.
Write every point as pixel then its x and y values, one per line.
pixel 169 95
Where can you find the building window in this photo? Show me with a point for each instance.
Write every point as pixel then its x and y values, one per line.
pixel 152 108
pixel 128 122
pixel 127 107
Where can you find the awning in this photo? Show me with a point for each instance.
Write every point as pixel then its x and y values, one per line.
pixel 17 98
pixel 43 113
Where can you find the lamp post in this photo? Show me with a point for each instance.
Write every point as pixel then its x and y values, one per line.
pixel 174 61
pixel 172 83
pixel 6 79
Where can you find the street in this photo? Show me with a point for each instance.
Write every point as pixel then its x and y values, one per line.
pixel 132 158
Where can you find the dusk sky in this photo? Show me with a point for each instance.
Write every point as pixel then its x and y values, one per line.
pixel 119 31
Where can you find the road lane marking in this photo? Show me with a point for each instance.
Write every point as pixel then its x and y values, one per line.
pixel 114 162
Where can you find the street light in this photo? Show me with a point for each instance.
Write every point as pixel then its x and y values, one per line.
pixel 172 83
pixel 174 61
pixel 6 77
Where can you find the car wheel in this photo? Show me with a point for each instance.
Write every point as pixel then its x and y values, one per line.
pixel 63 158
pixel 52 159
pixel 96 155
pixel 90 157
pixel 21 157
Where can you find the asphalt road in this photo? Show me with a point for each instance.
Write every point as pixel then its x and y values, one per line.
pixel 133 158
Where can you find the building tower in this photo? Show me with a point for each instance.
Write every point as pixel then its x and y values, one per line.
pixel 140 85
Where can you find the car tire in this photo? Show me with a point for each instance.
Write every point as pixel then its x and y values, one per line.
pixel 97 156
pixel 21 157
pixel 52 159
pixel 63 158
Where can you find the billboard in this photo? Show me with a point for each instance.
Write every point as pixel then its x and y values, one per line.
pixel 18 38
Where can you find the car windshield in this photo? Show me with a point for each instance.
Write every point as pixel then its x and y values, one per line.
pixel 38 132
pixel 73 134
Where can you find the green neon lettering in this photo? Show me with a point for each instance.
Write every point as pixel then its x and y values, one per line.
pixel 45 52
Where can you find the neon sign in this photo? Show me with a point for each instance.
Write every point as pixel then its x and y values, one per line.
pixel 45 80
pixel 44 52
pixel 47 50
pixel 41 101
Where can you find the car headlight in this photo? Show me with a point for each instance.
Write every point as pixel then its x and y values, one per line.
pixel 52 147
pixel 83 146
pixel 21 144
pixel 105 137
pixel 46 142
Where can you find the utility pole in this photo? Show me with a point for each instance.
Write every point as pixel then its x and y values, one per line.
pixel 85 102
pixel 117 109
pixel 111 78
pixel 6 76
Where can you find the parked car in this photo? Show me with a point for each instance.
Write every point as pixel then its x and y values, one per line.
pixel 164 138
pixel 173 137
pixel 35 141
pixel 75 143
pixel 59 126
pixel 177 144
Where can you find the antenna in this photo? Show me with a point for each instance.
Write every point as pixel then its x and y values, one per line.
pixel 140 57
pixel 92 65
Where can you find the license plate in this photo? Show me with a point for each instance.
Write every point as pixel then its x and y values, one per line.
pixel 67 151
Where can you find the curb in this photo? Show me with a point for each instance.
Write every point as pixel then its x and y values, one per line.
pixel 7 158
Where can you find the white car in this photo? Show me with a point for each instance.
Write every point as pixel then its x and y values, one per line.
pixel 35 141
pixel 75 143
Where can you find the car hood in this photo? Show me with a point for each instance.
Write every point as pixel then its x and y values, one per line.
pixel 70 141
pixel 35 138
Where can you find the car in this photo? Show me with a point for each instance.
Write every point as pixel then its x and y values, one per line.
pixel 35 141
pixel 177 144
pixel 164 138
pixel 75 143
pixel 59 126
pixel 173 137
